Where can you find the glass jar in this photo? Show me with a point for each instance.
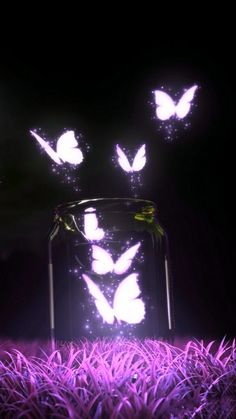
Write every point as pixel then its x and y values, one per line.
pixel 108 271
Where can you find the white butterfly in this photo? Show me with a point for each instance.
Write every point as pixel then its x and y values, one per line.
pixel 166 107
pixel 103 263
pixel 126 305
pixel 67 150
pixel 138 162
pixel 91 230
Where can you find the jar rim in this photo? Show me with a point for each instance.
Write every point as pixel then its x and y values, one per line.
pixel 131 204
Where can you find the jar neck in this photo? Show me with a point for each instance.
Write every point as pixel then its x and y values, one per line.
pixel 107 204
pixel 140 213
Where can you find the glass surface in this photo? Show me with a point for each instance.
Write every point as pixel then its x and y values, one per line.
pixel 110 270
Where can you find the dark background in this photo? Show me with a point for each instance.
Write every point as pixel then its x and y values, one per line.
pixel 102 89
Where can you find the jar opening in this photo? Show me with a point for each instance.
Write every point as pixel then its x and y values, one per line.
pixel 134 205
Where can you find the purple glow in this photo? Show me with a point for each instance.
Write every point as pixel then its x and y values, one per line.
pixel 118 378
pixel 126 306
pixel 138 162
pixel 166 107
pixel 67 150
pixel 91 230
pixel 103 262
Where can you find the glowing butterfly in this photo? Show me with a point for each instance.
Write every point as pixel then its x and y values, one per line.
pixel 126 306
pixel 67 150
pixel 91 230
pixel 138 162
pixel 103 263
pixel 166 107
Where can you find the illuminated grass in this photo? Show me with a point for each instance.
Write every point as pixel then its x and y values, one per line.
pixel 118 379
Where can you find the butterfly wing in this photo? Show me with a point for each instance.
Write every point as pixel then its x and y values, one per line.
pixel 101 302
pixel 102 263
pixel 165 105
pixel 67 148
pixel 47 148
pixel 183 106
pixel 92 232
pixel 125 260
pixel 122 160
pixel 140 159
pixel 126 305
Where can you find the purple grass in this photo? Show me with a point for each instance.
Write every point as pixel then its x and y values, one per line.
pixel 118 379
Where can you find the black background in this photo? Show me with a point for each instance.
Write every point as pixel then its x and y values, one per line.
pixel 102 89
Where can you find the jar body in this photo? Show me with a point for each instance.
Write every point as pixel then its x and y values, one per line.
pixel 110 272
